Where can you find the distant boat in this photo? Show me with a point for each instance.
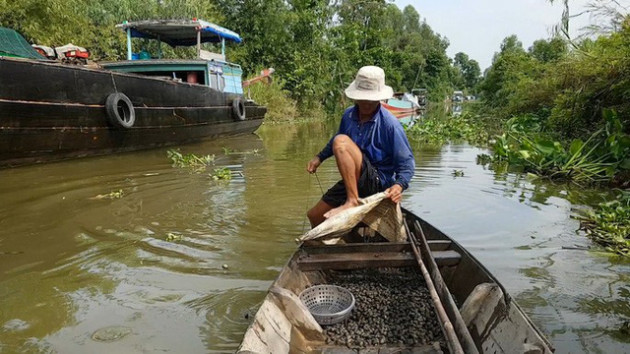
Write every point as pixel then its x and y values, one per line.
pixel 404 106
pixel 51 111
pixel 458 96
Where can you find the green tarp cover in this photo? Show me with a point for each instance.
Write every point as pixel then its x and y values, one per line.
pixel 13 44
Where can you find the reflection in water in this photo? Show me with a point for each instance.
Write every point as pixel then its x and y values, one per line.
pixel 71 265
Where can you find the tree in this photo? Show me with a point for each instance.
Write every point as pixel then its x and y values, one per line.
pixel 548 51
pixel 508 67
pixel 468 69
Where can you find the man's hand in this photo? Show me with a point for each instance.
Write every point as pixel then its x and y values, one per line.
pixel 313 164
pixel 394 193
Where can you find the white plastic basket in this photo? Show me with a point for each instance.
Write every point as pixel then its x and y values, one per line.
pixel 329 304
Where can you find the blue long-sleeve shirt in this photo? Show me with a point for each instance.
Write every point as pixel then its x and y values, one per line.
pixel 383 140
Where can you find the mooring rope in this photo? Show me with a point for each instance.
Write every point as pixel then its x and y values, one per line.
pixel 319 183
pixel 113 82
pixel 308 192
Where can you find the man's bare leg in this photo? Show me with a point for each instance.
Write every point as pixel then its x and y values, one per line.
pixel 349 159
pixel 316 214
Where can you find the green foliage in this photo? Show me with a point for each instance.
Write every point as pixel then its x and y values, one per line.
pixel 468 69
pixel 119 194
pixel 194 163
pixel 223 174
pixel 171 237
pixel 567 89
pixel 549 51
pixel 609 224
pixel 437 130
pixel 91 24
pixel 280 105
pixel 600 158
pixel 317 46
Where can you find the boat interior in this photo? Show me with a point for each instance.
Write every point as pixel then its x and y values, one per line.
pixel 475 312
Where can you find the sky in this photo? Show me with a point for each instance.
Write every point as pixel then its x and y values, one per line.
pixel 478 27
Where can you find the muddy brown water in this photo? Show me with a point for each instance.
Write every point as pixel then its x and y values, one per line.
pixel 180 262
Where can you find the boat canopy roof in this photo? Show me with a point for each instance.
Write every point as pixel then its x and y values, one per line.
pixel 179 32
pixel 14 45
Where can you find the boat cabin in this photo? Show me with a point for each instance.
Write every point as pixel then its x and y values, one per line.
pixel 209 69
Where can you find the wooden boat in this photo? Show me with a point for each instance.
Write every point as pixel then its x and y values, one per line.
pixel 400 107
pixel 51 111
pixel 487 320
pixel 407 107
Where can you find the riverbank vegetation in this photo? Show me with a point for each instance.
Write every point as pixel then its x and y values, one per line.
pixel 609 224
pixel 564 108
pixel 437 129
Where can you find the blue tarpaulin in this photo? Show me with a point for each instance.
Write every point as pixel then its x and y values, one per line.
pixel 180 32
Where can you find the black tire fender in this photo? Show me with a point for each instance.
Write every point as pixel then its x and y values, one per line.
pixel 238 109
pixel 120 111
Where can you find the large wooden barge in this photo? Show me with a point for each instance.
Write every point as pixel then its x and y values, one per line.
pixel 52 111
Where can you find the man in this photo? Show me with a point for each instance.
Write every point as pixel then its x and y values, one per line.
pixel 371 149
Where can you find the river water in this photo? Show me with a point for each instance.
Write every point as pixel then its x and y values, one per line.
pixel 179 262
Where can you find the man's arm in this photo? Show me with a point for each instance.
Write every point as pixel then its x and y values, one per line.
pixel 404 162
pixel 327 150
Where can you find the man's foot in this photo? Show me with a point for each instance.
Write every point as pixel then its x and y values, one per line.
pixel 339 209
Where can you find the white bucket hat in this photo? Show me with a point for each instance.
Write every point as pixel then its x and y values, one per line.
pixel 369 85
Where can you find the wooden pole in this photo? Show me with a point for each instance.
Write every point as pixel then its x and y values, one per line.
pixel 159 48
pixel 451 337
pixel 198 42
pixel 450 307
pixel 128 43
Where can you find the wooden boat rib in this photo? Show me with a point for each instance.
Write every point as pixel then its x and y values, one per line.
pixel 487 319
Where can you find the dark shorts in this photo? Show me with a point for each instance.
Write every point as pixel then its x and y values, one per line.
pixel 369 183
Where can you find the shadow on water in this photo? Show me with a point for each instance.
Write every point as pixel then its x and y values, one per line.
pixel 179 262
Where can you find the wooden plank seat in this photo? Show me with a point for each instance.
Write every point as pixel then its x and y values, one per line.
pixel 356 256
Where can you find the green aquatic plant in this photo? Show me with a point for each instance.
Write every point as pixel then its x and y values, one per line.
pixel 484 159
pixel 116 194
pixel 171 237
pixel 229 151
pixel 440 130
pixel 193 162
pixel 222 174
pixel 609 224
pixel 111 195
pixel 458 173
pixel 605 154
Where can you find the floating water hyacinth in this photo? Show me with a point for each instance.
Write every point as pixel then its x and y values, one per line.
pixel 196 164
